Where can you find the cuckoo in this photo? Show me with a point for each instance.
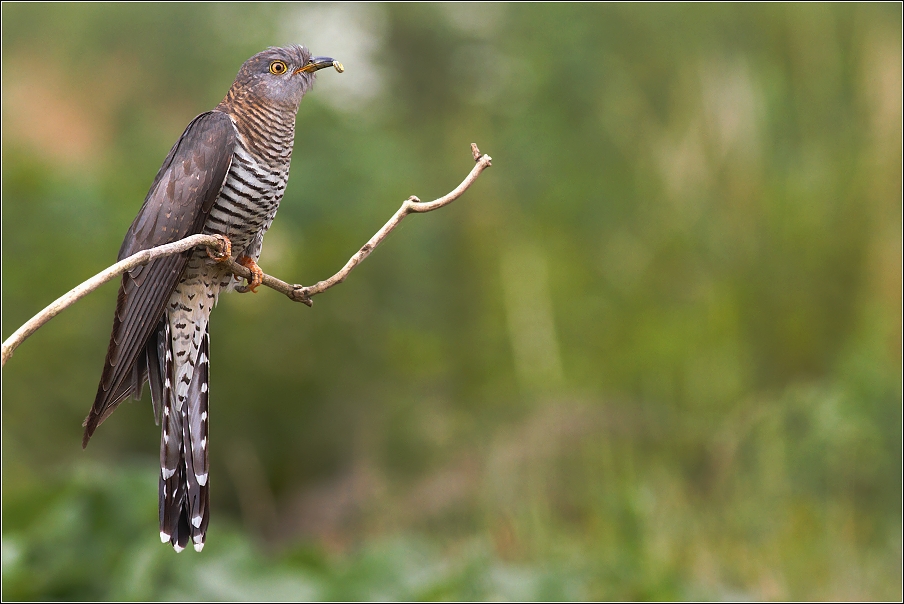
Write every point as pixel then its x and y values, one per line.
pixel 225 175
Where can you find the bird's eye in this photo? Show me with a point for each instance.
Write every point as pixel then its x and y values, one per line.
pixel 278 68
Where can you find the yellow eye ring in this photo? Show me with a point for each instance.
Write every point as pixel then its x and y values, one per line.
pixel 278 67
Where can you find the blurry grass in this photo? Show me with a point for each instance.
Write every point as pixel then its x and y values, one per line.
pixel 91 536
pixel 786 500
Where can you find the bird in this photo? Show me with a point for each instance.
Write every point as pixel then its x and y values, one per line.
pixel 224 176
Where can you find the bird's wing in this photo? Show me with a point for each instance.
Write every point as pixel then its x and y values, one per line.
pixel 176 206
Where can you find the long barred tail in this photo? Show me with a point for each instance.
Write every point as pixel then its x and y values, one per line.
pixel 184 492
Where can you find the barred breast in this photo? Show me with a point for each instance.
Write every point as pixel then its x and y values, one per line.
pixel 243 212
pixel 256 182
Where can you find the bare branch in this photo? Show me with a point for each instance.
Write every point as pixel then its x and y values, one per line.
pixel 298 293
pixel 82 290
pixel 411 205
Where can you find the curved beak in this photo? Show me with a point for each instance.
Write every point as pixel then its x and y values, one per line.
pixel 318 63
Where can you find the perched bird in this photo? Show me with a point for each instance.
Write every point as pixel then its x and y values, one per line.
pixel 225 175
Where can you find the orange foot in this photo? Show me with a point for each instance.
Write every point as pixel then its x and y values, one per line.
pixel 227 250
pixel 257 275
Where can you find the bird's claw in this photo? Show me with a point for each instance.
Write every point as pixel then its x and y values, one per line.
pixel 257 275
pixel 225 246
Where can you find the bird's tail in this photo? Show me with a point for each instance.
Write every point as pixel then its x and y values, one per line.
pixel 184 491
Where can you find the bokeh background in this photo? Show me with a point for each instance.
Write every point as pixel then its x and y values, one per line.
pixel 653 353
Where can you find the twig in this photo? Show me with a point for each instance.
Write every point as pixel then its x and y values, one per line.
pixel 80 291
pixel 298 293
pixel 412 205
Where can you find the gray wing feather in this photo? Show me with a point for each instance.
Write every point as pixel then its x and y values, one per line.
pixel 178 203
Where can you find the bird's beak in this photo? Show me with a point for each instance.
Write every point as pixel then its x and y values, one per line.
pixel 319 63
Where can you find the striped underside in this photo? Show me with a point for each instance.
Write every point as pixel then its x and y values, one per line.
pixel 243 212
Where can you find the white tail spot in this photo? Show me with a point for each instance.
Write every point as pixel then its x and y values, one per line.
pixel 196 521
pixel 177 547
pixel 202 358
pixel 204 387
pixel 167 473
pixel 204 415
pixel 164 537
pixel 202 478
pixel 199 546
pixel 203 443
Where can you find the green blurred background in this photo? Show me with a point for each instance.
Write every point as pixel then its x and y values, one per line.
pixel 653 353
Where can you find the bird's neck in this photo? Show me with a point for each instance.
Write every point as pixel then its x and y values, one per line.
pixel 266 128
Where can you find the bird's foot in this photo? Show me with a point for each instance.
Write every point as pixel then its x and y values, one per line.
pixel 225 251
pixel 257 275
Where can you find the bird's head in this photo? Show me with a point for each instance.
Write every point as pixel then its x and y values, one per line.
pixel 280 76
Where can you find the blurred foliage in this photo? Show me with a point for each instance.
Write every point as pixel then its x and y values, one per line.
pixel 653 353
pixel 87 539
